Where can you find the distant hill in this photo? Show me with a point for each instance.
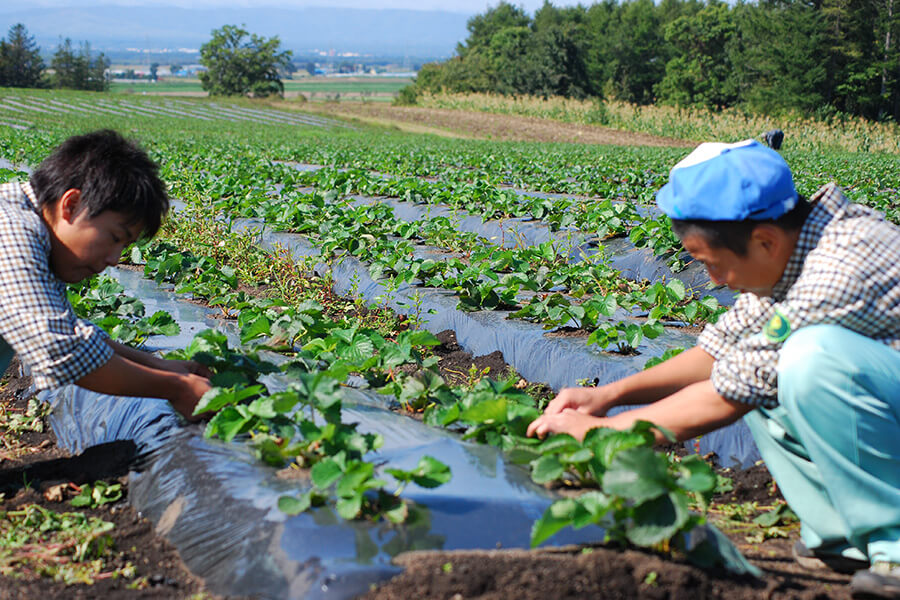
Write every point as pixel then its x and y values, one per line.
pixel 395 32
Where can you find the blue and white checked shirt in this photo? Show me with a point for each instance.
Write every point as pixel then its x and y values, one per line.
pixel 845 270
pixel 36 319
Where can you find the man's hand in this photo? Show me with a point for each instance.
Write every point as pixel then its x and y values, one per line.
pixel 585 400
pixel 569 420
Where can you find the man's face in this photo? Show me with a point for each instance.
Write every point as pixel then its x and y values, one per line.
pixel 757 272
pixel 82 246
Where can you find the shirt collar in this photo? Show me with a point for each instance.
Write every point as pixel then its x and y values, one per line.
pixel 32 197
pixel 826 202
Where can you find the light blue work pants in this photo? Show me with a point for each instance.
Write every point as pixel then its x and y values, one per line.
pixel 833 444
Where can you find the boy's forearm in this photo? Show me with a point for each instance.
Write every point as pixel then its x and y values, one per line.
pixel 121 376
pixel 134 355
pixel 665 379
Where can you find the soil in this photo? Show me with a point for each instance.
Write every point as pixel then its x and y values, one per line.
pixel 459 367
pixel 482 125
pixel 612 572
pixel 32 466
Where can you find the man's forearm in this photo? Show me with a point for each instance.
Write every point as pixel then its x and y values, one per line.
pixel 692 411
pixel 665 379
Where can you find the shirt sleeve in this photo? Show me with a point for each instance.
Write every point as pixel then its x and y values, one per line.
pixel 36 318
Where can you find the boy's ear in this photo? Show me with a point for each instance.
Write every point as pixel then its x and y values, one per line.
pixel 69 204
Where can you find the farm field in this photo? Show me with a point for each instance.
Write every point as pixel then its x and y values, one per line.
pixel 391 310
pixel 313 88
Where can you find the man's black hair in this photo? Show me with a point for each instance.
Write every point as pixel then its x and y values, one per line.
pixel 111 172
pixel 735 235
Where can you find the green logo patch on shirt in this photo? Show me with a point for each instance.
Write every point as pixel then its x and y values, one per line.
pixel 778 328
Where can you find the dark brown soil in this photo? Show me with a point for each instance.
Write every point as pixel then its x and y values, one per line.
pixel 596 572
pixel 459 367
pixel 32 466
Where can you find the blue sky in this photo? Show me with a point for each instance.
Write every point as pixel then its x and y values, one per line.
pixel 461 6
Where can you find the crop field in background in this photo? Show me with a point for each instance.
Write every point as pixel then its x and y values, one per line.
pixel 336 186
pixel 851 134
pixel 314 88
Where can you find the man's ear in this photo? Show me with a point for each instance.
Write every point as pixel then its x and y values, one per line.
pixel 770 238
pixel 69 205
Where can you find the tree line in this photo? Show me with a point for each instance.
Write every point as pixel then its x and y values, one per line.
pixel 818 57
pixel 237 63
pixel 21 64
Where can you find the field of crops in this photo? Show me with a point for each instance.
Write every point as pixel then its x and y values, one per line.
pixel 333 257
pixel 314 88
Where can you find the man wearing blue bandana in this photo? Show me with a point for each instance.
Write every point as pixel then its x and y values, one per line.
pixel 809 355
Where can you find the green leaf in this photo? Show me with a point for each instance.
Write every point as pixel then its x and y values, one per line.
pixel 357 473
pixel 488 411
pixel 227 423
pixel 696 474
pixel 349 507
pixel 546 468
pixel 521 455
pixel 558 515
pixel 431 473
pixel 291 505
pixel 658 519
pixel 592 506
pixel 638 474
pixel 398 512
pixel 607 446
pixel 324 473
pixel 782 513
pixel 675 290
pixel 562 442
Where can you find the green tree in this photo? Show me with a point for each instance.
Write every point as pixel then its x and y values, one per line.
pixel 701 73
pixel 238 66
pixel 639 51
pixel 21 64
pixel 482 28
pixel 79 70
pixel 781 56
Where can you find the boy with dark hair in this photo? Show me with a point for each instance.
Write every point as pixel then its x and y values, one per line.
pixel 809 355
pixel 93 196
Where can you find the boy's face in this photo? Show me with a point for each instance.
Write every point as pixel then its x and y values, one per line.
pixel 81 246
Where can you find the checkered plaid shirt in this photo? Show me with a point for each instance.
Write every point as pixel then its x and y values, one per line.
pixel 36 319
pixel 845 270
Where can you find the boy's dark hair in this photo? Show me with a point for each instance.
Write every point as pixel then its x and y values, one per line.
pixel 735 235
pixel 112 173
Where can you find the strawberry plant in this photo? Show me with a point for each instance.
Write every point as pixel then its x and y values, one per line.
pixel 101 299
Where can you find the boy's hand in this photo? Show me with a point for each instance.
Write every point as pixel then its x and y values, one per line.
pixel 192 389
pixel 186 367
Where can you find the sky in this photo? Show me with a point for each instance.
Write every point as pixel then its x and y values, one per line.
pixel 460 6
